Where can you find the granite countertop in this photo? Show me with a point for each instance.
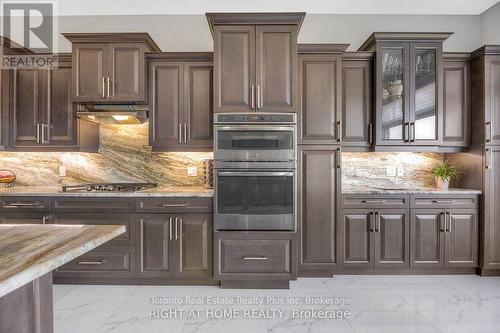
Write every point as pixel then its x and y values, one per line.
pixel 50 191
pixel 421 190
pixel 30 251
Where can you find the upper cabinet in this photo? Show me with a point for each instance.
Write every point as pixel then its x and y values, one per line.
pixel 110 67
pixel 180 100
pixel 408 88
pixel 255 57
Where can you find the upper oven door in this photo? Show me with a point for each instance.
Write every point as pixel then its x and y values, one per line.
pixel 255 200
pixel 254 143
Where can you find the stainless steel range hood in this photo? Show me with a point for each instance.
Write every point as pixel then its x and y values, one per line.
pixel 113 114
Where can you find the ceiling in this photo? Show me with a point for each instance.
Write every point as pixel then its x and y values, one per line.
pixel 177 7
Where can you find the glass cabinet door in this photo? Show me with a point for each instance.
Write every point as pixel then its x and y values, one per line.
pixel 424 118
pixel 392 103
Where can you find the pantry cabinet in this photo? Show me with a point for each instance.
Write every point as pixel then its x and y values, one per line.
pixel 110 67
pixel 255 61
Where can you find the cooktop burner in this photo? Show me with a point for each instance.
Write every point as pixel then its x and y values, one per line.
pixel 109 187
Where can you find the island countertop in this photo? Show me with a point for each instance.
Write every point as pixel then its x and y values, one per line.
pixel 28 252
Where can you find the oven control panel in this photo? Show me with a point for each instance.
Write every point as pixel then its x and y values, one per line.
pixel 238 118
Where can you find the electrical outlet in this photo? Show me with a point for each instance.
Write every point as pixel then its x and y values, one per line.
pixel 391 171
pixel 192 171
pixel 62 171
pixel 401 172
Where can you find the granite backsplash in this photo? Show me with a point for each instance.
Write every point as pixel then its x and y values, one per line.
pixel 369 169
pixel 124 156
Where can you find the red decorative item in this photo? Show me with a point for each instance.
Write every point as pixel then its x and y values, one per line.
pixel 7 176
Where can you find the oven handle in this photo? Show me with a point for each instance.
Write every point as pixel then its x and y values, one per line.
pixel 255 173
pixel 255 128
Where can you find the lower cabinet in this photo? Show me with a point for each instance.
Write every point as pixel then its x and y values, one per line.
pixel 444 238
pixel 23 218
pixel 176 246
pixel 375 238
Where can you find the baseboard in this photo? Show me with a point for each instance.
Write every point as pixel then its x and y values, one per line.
pixel 488 272
pixel 135 281
pixel 251 284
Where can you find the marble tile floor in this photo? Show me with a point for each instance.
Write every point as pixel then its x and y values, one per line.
pixel 385 304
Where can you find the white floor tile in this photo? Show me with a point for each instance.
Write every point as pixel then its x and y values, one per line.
pixel 446 299
pixel 465 321
pixel 392 322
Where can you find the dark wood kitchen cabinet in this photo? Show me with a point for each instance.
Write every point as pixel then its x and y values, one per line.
pixel 444 238
pixel 456 100
pixel 110 67
pixel 176 246
pixel 320 84
pixel 357 128
pixel 491 199
pixel 255 61
pixel 181 103
pixel 375 238
pixel 408 88
pixel 41 114
pixel 319 184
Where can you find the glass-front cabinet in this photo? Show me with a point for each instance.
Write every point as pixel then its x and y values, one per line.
pixel 407 79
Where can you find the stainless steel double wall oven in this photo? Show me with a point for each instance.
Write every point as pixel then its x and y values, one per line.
pixel 255 158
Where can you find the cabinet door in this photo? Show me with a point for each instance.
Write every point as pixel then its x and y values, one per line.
pixel 492 98
pixel 456 103
pixel 23 218
pixel 166 104
pixel 60 117
pixel 319 175
pixel 198 104
pixel 234 68
pixel 427 238
pixel 491 231
pixel 319 120
pixel 156 246
pixel 461 238
pixel 89 72
pixel 357 235
pixel 5 97
pixel 392 238
pixel 125 70
pixel 28 107
pixel 425 85
pixel 195 246
pixel 392 93
pixel 276 68
pixel 357 127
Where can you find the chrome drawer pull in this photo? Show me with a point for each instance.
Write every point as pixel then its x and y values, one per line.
pixel 174 205
pixel 373 201
pixel 254 258
pixel 444 201
pixel 91 262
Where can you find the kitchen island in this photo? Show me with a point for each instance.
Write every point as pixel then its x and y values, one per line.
pixel 28 255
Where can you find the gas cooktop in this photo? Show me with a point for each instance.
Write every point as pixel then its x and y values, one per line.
pixel 109 187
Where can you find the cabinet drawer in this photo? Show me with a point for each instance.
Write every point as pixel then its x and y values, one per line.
pixel 440 201
pixel 91 205
pixel 14 204
pixel 103 259
pixel 174 205
pixel 375 201
pixel 127 238
pixel 249 255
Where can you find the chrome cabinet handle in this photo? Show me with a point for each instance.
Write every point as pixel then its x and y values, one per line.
pixel 252 97
pixel 176 227
pixel 406 132
pixel 488 134
pixel 103 88
pixel 170 226
pixel 339 131
pixel 37 133
pixel 42 137
pixel 180 133
pixel 88 262
pixel 486 163
pixel 449 222
pixel 180 228
pixel 258 97
pixel 175 205
pixel 377 222
pixel 412 132
pixel 24 204
pixel 254 258
pixel 370 133
pixel 372 226
pixel 338 156
pixel 44 219
pixel 185 133
pixel 109 83
pixel 442 222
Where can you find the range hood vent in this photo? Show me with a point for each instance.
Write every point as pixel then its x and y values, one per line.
pixel 113 114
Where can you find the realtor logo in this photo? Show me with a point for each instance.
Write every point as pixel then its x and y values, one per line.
pixel 31 26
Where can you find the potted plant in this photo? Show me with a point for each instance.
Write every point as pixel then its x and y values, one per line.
pixel 444 173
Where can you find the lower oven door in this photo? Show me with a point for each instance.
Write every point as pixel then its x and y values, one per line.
pixel 255 200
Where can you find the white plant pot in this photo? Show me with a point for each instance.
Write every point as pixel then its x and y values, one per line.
pixel 442 184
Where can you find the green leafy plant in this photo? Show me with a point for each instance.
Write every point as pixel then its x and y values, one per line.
pixel 447 172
